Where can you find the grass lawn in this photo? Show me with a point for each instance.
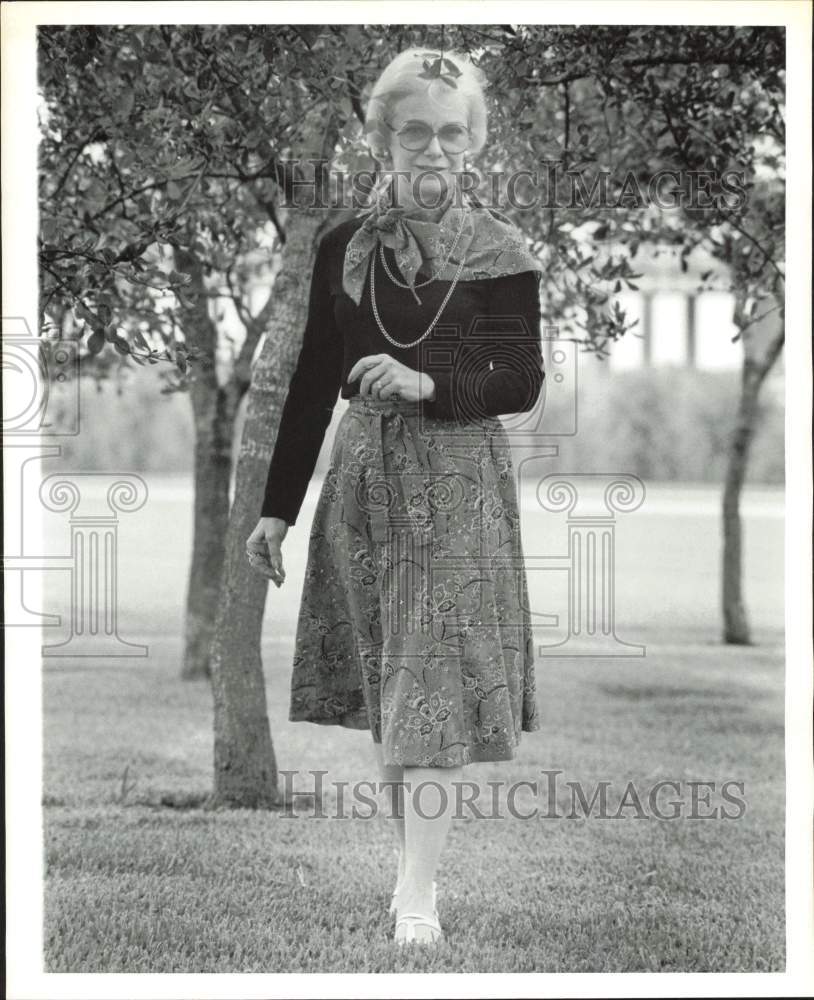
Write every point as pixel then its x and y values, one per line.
pixel 133 885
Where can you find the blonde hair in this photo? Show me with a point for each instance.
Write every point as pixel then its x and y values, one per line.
pixel 400 79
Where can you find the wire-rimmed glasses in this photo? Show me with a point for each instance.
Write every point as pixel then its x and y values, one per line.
pixel 416 135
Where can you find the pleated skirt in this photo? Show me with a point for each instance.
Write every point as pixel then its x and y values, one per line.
pixel 414 620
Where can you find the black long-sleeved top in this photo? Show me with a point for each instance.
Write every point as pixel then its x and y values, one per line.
pixel 484 355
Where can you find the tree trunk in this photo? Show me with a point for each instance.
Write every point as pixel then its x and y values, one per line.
pixel 245 766
pixel 214 409
pixel 736 629
pixel 736 625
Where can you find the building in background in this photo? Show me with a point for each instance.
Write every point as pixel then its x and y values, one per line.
pixel 684 321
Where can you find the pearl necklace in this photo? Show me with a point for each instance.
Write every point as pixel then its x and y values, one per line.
pixel 447 297
pixel 427 332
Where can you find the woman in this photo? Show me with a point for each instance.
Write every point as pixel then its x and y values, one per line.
pixel 414 616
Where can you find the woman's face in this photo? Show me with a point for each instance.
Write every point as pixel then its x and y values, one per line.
pixel 433 187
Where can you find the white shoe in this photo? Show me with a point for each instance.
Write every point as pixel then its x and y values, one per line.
pixel 411 921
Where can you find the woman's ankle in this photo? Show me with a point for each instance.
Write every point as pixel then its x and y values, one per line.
pixel 415 898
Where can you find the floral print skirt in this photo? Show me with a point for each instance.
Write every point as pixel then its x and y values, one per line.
pixel 414 620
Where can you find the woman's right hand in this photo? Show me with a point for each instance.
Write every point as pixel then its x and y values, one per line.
pixel 263 548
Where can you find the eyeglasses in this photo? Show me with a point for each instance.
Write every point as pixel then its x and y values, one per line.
pixel 415 136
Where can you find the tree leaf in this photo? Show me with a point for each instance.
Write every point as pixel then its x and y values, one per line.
pixel 96 341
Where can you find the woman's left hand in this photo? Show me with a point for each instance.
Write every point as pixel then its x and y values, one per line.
pixel 384 378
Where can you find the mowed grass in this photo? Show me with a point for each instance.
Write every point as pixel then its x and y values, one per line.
pixel 140 878
pixel 134 886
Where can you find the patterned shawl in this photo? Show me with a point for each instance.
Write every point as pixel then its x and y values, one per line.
pixel 490 244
